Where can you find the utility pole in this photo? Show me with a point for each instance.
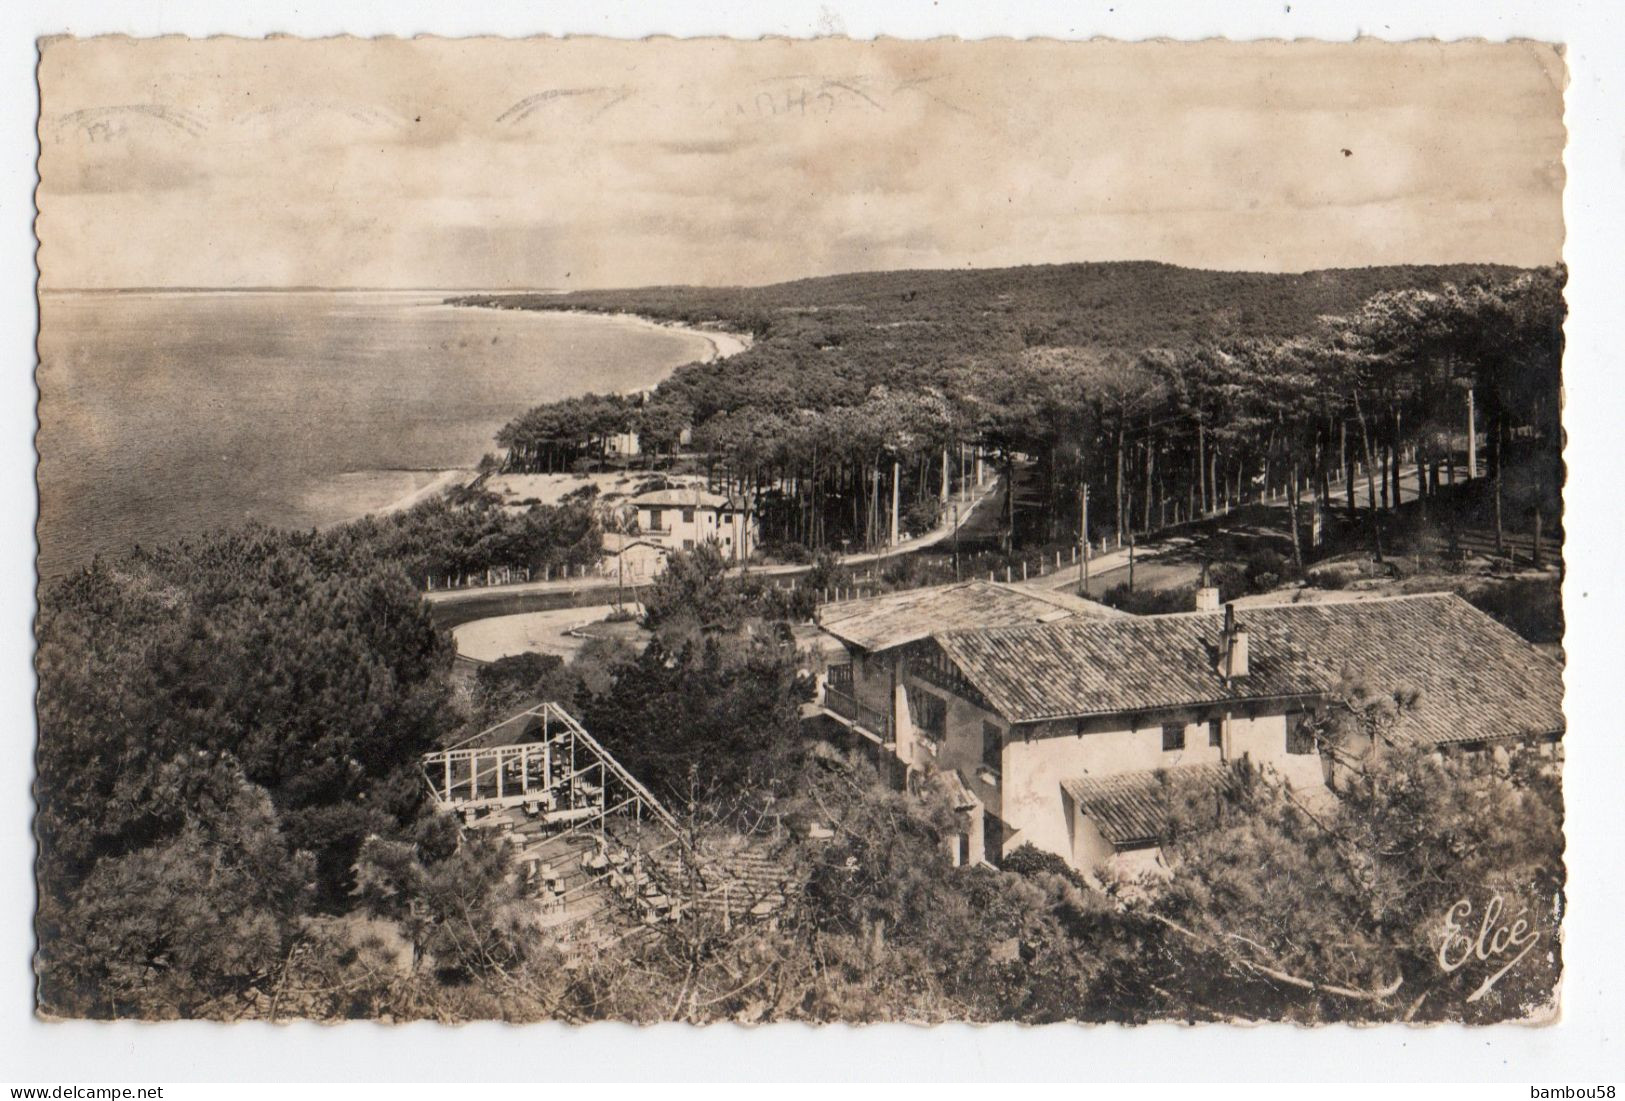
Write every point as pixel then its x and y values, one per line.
pixel 1131 560
pixel 956 541
pixel 894 498
pixel 1472 438
pixel 1083 540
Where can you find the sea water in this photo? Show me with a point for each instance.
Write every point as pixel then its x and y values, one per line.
pixel 168 414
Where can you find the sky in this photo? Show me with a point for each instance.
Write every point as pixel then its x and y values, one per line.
pixel 595 163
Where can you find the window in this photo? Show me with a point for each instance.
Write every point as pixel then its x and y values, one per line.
pixel 992 746
pixel 1300 732
pixel 654 520
pixel 1215 733
pixel 688 544
pixel 1173 737
pixel 688 516
pixel 930 714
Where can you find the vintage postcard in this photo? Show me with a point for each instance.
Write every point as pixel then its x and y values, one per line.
pixel 800 530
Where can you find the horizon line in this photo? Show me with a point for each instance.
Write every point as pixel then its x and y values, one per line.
pixel 179 288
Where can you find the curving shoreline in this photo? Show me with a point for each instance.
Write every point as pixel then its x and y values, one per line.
pixel 442 481
pixel 722 344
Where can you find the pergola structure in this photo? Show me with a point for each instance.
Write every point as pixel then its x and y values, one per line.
pixel 543 760
pixel 579 820
pixel 588 834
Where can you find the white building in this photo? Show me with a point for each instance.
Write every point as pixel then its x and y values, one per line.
pixel 632 559
pixel 682 518
pixel 1074 732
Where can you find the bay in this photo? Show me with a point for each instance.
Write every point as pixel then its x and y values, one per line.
pixel 168 414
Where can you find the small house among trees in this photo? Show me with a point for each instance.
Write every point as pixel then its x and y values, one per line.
pixel 686 517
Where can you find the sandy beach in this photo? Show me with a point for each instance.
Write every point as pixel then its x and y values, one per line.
pixel 439 483
pixel 723 342
pixel 547 489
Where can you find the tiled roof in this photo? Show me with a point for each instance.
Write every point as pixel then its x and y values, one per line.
pixel 1133 807
pixel 881 622
pixel 1478 681
pixel 952 785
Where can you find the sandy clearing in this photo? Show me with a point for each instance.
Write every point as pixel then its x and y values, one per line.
pixel 549 489
pixel 528 633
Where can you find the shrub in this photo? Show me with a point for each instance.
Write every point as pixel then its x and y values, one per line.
pixel 1265 569
pixel 1532 608
pixel 901 573
pixel 1328 578
pixel 1229 579
pixel 1150 601
pixel 1027 860
pixel 827 573
pixel 922 516
pixel 793 553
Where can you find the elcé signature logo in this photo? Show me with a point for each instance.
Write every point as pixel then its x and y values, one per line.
pixel 1494 940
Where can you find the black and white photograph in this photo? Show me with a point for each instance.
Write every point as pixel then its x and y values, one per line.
pixel 580 529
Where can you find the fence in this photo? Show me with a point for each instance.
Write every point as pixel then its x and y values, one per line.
pixel 506 575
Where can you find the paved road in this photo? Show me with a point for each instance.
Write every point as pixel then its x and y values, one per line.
pixel 454 607
pixel 978 502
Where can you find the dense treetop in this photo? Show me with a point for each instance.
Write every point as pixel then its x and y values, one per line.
pixel 1201 380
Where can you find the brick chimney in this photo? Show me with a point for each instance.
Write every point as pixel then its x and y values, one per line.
pixel 1232 647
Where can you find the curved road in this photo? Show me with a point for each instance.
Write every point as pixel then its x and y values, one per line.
pixel 455 607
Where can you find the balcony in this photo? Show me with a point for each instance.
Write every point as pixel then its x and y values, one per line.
pixel 870 722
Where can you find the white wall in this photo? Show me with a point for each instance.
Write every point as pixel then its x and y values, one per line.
pixel 1089 851
pixel 1039 757
pixel 735 537
pixel 634 565
pixel 961 749
pixel 1026 795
